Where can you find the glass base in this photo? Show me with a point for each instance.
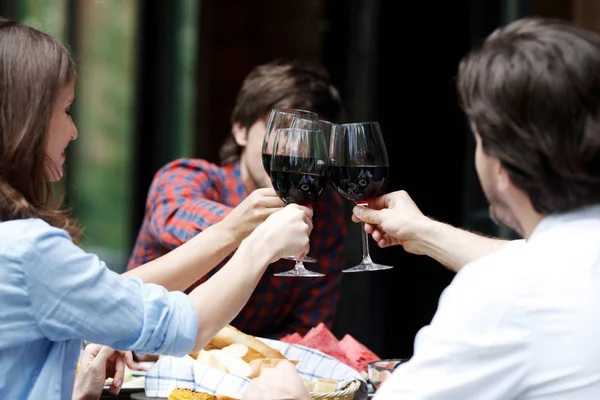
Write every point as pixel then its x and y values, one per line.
pixel 299 272
pixel 362 267
pixel 304 259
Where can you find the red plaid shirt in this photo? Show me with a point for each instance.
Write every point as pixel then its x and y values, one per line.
pixel 189 195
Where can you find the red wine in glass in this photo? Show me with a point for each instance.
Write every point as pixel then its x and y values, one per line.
pixel 298 187
pixel 359 171
pixel 285 118
pixel 359 183
pixel 299 173
pixel 266 160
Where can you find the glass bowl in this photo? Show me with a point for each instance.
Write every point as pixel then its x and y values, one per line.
pixel 379 370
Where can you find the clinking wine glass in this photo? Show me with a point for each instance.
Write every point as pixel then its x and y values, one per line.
pixel 327 128
pixel 299 173
pixel 286 118
pixel 359 171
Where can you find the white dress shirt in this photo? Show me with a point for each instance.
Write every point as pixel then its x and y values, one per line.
pixel 53 294
pixel 521 323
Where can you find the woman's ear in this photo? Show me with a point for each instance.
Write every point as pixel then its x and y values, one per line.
pixel 240 134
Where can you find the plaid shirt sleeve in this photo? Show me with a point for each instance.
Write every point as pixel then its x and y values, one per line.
pixel 182 198
pixel 319 297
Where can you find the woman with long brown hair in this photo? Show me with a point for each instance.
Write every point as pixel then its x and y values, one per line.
pixel 53 294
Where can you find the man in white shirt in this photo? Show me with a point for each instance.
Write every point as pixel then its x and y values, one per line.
pixel 521 321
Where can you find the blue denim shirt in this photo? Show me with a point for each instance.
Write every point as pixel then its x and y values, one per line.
pixel 53 294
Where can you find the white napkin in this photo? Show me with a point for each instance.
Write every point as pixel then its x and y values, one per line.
pixel 170 373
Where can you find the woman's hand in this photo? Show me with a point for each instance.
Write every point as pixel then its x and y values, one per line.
pixel 286 232
pixel 97 363
pixel 255 208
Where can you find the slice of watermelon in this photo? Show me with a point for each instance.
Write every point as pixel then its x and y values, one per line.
pixel 320 338
pixel 284 338
pixel 311 330
pixel 292 338
pixel 359 355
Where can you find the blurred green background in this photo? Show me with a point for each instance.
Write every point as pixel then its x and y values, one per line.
pixel 103 42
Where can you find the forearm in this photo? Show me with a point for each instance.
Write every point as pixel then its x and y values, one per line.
pixel 218 300
pixel 454 247
pixel 184 265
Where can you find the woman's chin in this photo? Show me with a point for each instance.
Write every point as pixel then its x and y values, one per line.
pixel 54 176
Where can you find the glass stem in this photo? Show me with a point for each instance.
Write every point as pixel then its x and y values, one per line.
pixel 365 245
pixel 299 266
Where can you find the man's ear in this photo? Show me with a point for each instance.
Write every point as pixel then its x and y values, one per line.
pixel 240 134
pixel 503 181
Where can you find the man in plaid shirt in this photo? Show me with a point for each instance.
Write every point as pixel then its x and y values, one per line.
pixel 189 195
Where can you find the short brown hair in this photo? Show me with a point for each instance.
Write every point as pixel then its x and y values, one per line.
pixel 532 93
pixel 282 84
pixel 34 68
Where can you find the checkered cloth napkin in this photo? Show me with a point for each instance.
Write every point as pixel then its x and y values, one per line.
pixel 170 373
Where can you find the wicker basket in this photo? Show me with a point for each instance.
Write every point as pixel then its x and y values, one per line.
pixel 347 393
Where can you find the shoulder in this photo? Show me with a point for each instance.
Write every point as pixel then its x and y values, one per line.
pixel 496 270
pixel 487 295
pixel 20 237
pixel 496 281
pixel 185 171
pixel 187 165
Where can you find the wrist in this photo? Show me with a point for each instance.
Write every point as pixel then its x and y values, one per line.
pixel 257 248
pixel 229 232
pixel 425 230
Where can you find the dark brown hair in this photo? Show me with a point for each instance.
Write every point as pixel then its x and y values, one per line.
pixel 34 68
pixel 532 93
pixel 282 84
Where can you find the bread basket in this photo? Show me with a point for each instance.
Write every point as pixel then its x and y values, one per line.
pixel 347 393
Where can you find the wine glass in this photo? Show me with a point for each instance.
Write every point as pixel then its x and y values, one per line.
pixel 326 127
pixel 359 171
pixel 286 118
pixel 299 173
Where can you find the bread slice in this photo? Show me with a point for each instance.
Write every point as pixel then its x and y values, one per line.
pixel 257 365
pixel 235 365
pixel 208 358
pixel 229 335
pixel 242 351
